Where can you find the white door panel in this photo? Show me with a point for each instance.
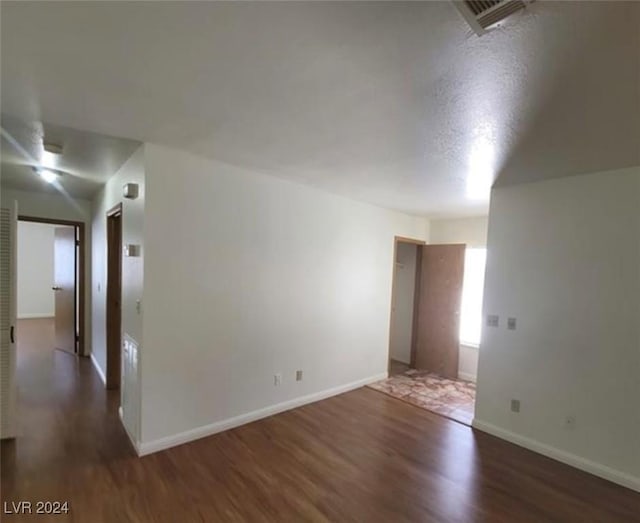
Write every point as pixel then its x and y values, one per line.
pixel 8 327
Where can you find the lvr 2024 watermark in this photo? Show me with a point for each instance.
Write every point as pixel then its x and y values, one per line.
pixel 37 507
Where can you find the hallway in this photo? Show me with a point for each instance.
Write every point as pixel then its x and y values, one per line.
pixel 68 423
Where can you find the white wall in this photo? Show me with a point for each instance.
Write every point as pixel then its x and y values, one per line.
pixel 247 276
pixel 35 270
pixel 564 259
pixel 472 232
pixel 54 206
pixel 132 267
pixel 405 285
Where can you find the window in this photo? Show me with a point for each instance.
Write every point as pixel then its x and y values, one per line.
pixel 472 288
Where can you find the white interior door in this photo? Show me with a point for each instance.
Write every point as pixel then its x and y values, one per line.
pixel 8 327
pixel 128 387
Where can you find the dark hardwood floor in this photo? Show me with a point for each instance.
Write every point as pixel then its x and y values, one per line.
pixel 361 456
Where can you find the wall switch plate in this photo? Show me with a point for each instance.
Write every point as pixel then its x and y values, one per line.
pixel 515 405
pixel 132 250
pixel 511 324
pixel 277 379
pixel 493 320
pixel 130 191
pixel 298 375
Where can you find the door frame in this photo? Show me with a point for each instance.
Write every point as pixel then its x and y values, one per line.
pixel 416 296
pixel 79 323
pixel 113 315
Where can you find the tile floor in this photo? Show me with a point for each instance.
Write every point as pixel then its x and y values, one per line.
pixel 454 399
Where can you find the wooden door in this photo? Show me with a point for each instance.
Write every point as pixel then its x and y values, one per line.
pixel 64 261
pixel 114 297
pixel 441 277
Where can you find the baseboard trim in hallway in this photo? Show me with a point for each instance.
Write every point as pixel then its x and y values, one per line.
pixel 467 377
pixel 134 443
pixel 98 370
pixel 145 448
pixel 602 471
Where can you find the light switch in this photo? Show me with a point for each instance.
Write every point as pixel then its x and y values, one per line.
pixel 131 250
pixel 511 324
pixel 493 320
pixel 130 190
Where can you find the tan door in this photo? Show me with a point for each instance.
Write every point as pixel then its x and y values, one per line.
pixel 441 278
pixel 64 261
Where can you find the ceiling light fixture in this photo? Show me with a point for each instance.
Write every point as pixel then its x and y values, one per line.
pixel 51 154
pixel 52 148
pixel 47 175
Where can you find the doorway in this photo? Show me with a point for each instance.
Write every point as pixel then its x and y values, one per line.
pixel 404 308
pixel 114 297
pixel 424 340
pixel 50 279
pixel 425 307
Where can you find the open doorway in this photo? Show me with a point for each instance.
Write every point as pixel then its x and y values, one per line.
pixel 435 315
pixel 114 297
pixel 50 283
pixel 405 295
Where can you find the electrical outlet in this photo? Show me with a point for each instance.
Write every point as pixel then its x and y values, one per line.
pixel 515 405
pixel 277 379
pixel 493 320
pixel 570 422
pixel 511 324
pixel 298 375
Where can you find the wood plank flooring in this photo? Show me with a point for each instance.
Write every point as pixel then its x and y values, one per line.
pixel 361 456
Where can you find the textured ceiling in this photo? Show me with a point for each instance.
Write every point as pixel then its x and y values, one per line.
pixel 397 104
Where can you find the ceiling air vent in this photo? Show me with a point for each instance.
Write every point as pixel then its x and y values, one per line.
pixel 482 14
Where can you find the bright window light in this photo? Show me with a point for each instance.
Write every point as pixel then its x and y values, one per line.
pixel 472 288
pixel 481 167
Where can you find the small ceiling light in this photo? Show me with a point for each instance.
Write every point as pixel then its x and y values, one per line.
pixel 52 148
pixel 51 154
pixel 48 175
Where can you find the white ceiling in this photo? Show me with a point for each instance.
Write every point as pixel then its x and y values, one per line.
pixel 398 104
pixel 87 162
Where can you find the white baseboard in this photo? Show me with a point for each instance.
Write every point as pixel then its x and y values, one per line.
pixel 467 377
pixel 133 442
pixel 98 370
pixel 35 315
pixel 602 471
pixel 207 430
